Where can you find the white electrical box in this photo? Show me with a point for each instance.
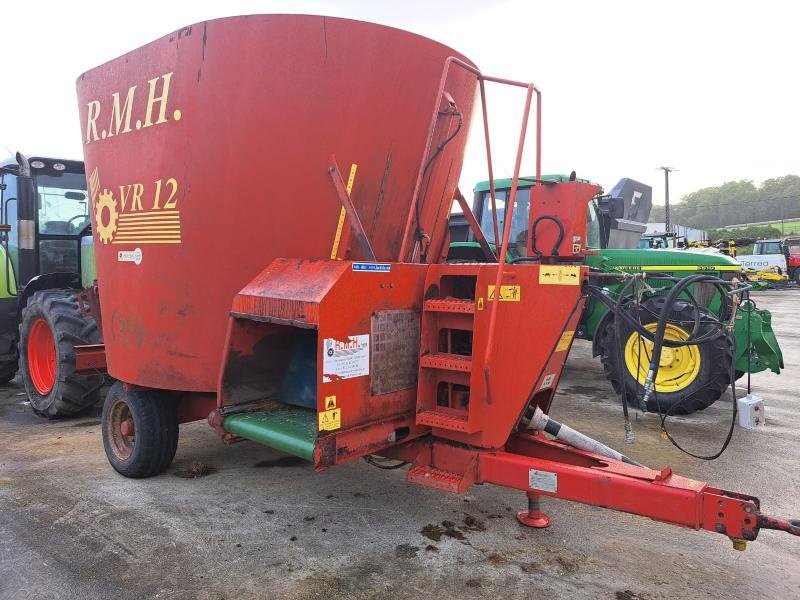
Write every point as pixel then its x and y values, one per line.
pixel 751 411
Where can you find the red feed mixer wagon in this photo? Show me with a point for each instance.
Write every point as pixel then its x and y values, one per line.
pixel 270 198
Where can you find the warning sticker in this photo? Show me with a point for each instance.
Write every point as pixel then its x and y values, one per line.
pixel 547 382
pixel 345 359
pixel 330 420
pixel 559 275
pixel 330 402
pixel 564 341
pixel 508 293
pixel 480 303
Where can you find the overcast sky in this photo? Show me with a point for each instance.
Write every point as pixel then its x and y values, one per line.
pixel 710 88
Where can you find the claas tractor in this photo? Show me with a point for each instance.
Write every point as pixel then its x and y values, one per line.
pixel 330 330
pixel 690 378
pixel 47 258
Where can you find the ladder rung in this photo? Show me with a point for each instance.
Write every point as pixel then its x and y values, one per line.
pixel 451 305
pixel 446 362
pixel 438 479
pixel 442 420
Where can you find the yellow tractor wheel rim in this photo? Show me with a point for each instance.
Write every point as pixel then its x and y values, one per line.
pixel 678 367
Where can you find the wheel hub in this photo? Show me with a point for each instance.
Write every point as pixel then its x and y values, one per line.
pixel 122 433
pixel 679 366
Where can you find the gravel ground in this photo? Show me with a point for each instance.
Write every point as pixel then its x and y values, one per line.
pixel 262 524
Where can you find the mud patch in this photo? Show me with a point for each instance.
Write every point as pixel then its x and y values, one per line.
pixel 628 595
pixel 446 529
pixel 86 424
pixel 496 559
pixel 473 583
pixel 472 523
pixel 195 470
pixel 406 551
pixel 282 462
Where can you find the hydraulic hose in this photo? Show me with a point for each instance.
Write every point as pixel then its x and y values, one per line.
pixel 661 327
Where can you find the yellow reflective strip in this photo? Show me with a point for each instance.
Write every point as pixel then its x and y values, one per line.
pixel 340 225
pixel 677 268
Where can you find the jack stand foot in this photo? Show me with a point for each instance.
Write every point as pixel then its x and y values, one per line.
pixel 533 517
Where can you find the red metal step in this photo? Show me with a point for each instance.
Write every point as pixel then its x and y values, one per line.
pixel 450 305
pixel 445 420
pixel 446 362
pixel 437 479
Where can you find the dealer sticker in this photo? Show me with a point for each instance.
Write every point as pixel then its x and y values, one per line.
pixel 345 359
pixel 134 256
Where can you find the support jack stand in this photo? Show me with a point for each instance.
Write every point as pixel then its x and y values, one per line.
pixel 533 517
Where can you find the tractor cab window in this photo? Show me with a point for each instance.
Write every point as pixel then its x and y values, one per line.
pixel 63 213
pixel 592 227
pixel 63 208
pixel 8 215
pixel 519 223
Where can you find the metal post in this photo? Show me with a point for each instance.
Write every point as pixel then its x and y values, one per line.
pixel 667 171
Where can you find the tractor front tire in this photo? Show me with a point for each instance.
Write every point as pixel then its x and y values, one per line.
pixel 51 327
pixel 140 430
pixel 695 376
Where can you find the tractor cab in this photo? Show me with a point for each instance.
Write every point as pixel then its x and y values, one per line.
pixel 45 211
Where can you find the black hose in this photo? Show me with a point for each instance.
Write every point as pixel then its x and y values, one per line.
pixel 619 307
pixel 536 221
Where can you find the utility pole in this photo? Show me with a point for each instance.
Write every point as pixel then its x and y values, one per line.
pixel 667 171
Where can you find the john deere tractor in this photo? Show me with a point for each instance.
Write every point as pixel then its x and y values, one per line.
pixel 690 377
pixel 46 259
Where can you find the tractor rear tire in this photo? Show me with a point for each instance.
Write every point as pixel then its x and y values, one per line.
pixel 697 391
pixel 140 430
pixel 51 327
pixel 8 370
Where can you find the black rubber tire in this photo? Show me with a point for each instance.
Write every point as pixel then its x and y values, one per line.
pixel 712 380
pixel 796 276
pixel 71 394
pixel 8 370
pixel 155 418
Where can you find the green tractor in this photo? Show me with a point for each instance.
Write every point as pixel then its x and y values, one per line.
pixel 47 259
pixel 690 377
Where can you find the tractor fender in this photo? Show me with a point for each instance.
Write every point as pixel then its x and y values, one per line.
pixel 46 281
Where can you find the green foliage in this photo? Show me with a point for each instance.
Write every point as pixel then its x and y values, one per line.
pixel 736 202
pixel 753 231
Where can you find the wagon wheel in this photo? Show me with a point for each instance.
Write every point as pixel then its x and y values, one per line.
pixel 140 430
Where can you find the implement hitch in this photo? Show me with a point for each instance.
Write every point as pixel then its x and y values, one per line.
pixel 541 467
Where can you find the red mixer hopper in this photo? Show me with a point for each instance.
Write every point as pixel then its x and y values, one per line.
pixel 208 154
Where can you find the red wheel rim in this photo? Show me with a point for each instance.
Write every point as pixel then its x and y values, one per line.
pixel 42 356
pixel 121 430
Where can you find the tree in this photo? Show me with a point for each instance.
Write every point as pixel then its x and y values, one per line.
pixel 736 202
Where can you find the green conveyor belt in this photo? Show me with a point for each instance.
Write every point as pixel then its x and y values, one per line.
pixel 290 429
